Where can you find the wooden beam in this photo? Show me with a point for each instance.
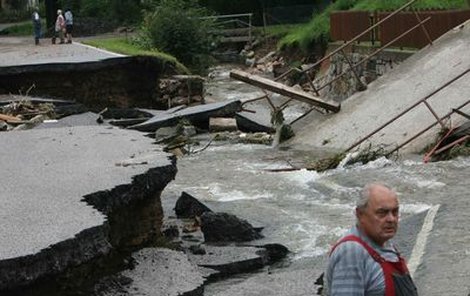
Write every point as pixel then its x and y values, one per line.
pixel 9 118
pixel 284 90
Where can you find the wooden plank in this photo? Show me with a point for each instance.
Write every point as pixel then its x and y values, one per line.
pixel 284 90
pixel 9 118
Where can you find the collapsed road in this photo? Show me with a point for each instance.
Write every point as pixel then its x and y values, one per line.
pixel 63 190
pixel 82 209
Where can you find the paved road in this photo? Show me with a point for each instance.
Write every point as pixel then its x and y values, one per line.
pixel 22 51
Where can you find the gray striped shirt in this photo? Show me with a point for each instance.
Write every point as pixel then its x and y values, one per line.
pixel 352 271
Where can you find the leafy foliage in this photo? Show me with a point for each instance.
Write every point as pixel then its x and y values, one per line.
pixel 178 28
pixel 318 29
pixel 16 4
pixel 23 29
pixel 250 6
pixel 94 8
pixel 117 11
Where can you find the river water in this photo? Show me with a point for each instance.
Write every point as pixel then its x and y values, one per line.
pixel 303 210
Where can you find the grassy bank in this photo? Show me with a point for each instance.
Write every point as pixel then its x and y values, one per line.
pixel 318 29
pixel 123 45
pixel 23 29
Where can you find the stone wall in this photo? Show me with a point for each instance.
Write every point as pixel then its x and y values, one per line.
pixel 367 72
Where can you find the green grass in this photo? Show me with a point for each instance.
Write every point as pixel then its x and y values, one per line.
pixel 23 29
pixel 318 29
pixel 372 5
pixel 279 30
pixel 123 45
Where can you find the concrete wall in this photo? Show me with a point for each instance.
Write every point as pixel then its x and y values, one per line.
pixel 394 92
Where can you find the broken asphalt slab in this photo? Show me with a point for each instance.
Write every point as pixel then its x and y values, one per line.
pixel 46 176
pixel 259 120
pixel 157 272
pixel 127 117
pixel 197 115
pixel 230 259
pixel 84 119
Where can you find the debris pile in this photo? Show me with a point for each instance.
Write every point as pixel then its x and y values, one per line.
pixel 450 143
pixel 182 90
pixel 24 114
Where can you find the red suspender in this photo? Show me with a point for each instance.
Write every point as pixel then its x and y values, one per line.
pixel 388 268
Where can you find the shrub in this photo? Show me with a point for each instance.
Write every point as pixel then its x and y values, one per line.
pixel 177 27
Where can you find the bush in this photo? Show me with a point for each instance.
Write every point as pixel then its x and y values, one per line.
pixel 177 27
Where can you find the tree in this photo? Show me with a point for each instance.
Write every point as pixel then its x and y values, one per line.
pixel 51 14
pixel 16 4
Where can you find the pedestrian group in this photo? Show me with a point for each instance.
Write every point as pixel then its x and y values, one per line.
pixel 63 27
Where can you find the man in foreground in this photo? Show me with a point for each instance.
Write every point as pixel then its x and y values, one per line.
pixel 364 261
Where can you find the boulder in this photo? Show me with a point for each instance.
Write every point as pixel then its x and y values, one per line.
pixel 223 227
pixel 275 252
pixel 196 115
pixel 189 207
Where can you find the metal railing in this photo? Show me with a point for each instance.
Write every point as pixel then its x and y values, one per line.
pixel 424 101
pixel 350 42
pixel 240 20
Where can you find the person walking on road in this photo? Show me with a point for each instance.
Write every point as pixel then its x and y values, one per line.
pixel 59 27
pixel 364 261
pixel 36 25
pixel 68 24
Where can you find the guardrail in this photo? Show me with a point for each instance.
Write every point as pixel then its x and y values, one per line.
pixel 421 101
pixel 234 27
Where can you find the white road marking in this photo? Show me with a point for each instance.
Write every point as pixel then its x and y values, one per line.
pixel 99 49
pixel 418 249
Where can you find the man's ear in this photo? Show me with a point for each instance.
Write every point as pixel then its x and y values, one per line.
pixel 358 212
